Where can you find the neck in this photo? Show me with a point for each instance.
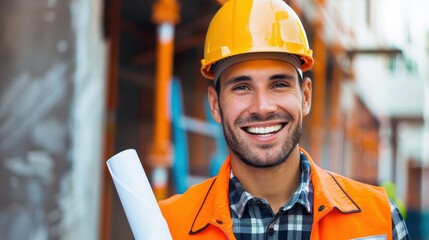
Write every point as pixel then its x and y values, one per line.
pixel 276 184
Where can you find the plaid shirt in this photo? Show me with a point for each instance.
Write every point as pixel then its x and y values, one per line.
pixel 253 218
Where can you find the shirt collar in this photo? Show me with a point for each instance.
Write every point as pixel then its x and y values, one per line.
pixel 238 197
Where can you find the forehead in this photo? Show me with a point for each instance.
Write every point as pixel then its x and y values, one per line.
pixel 260 68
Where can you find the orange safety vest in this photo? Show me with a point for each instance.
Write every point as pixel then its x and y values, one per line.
pixel 343 208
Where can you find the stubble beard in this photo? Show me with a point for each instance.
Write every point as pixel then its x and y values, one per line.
pixel 270 159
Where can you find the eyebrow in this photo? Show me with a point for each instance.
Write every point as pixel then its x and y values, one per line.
pixel 282 77
pixel 242 78
pixel 245 78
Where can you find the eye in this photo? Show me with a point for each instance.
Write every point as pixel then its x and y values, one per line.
pixel 281 85
pixel 240 88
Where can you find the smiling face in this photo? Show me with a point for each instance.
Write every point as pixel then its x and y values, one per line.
pixel 261 106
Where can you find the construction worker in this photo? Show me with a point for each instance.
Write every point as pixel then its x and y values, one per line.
pixel 269 187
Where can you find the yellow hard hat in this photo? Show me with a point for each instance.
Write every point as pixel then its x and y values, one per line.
pixel 253 26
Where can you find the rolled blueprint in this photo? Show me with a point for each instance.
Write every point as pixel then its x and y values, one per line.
pixel 137 198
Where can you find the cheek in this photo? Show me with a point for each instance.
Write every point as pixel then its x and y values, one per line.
pixel 231 112
pixel 291 104
pixel 231 108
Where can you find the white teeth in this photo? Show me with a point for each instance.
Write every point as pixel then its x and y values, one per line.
pixel 264 130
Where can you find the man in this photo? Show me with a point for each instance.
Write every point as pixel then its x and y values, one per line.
pixel 268 187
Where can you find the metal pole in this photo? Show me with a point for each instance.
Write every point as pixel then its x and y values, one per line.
pixel 166 15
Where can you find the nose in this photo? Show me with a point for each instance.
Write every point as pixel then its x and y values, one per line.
pixel 263 103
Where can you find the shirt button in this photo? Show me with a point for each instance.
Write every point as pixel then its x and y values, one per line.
pixel 321 208
pixel 258 202
pixel 219 222
pixel 271 231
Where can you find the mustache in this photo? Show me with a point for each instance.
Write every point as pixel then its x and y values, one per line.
pixel 256 118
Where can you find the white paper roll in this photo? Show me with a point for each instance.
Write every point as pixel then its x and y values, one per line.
pixel 137 198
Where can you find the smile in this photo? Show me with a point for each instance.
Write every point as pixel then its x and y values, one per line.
pixel 262 131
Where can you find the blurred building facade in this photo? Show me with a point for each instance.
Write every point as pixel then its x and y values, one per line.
pixel 87 69
pixel 51 118
pixel 387 47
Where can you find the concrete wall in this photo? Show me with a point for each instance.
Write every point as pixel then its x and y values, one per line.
pixel 51 106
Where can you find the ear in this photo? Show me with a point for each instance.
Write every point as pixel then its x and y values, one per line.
pixel 214 104
pixel 306 88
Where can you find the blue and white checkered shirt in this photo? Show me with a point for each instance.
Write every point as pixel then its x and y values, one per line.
pixel 253 218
